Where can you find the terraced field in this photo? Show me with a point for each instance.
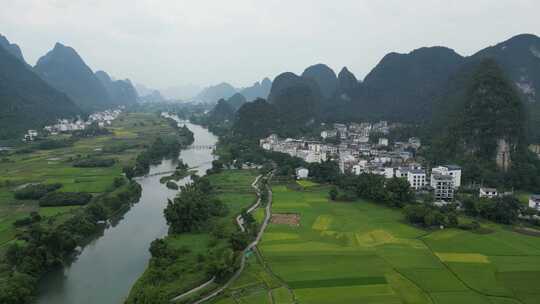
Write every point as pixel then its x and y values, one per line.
pixel 360 252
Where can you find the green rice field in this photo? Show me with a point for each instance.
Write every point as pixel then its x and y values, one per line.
pixel 361 252
pixel 131 131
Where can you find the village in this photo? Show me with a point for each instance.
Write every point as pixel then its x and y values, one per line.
pixel 65 125
pixel 350 146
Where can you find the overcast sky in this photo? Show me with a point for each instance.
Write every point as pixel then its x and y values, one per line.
pixel 175 42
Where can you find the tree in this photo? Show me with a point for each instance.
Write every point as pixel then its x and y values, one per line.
pixel 333 193
pixel 399 191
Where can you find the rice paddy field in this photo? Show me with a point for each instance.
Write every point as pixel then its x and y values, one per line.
pixel 130 132
pixel 361 252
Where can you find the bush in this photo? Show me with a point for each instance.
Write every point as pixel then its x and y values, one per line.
pixel 54 144
pixel 65 199
pixel 35 192
pixel 94 163
pixel 172 185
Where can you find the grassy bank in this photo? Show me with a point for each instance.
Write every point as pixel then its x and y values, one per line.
pixel 192 251
pixel 361 252
pixel 88 171
pixel 131 133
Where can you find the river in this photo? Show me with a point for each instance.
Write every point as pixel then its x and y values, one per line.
pixel 105 270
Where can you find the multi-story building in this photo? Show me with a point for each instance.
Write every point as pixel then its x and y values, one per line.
pixel 443 187
pixel 416 178
pixel 451 170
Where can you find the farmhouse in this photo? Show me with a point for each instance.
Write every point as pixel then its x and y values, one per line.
pixel 534 201
pixel 302 173
pixel 488 192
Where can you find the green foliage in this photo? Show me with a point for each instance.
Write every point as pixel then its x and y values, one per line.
pixel 51 144
pixel 43 246
pixel 192 208
pixel 324 172
pixel 487 109
pixel 171 185
pixel 256 119
pixel 92 130
pixel 429 216
pixel 94 162
pixel 504 209
pixel 35 192
pixel 394 192
pixel 27 102
pixel 65 199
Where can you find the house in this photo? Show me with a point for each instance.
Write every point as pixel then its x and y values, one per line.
pixel 534 201
pixel 488 192
pixel 443 187
pixel 302 173
pixel 328 134
pixel 383 142
pixel 416 178
pixel 30 135
pixel 451 170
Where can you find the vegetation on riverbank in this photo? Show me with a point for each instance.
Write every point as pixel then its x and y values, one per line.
pixel 45 236
pixel 197 247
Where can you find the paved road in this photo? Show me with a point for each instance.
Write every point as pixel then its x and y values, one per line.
pixel 250 247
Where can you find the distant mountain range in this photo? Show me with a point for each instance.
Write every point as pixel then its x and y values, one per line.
pixel 225 90
pixel 26 101
pixel 409 87
pixel 64 69
pixel 60 85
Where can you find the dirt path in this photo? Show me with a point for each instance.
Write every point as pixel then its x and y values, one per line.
pixel 250 247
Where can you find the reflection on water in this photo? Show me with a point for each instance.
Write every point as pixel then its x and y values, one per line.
pixel 108 266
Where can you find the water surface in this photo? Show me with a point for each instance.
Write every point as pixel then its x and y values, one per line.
pixel 105 270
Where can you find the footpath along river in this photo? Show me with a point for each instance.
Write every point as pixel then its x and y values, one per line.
pixel 106 268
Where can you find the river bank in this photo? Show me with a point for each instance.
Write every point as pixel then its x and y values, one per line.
pixel 114 261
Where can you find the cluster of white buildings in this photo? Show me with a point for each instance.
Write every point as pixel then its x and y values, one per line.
pixel 354 153
pixel 102 119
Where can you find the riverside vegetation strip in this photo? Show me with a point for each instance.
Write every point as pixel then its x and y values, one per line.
pixel 362 252
pixel 44 240
pixel 185 259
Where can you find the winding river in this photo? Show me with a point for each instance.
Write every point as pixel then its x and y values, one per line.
pixel 106 268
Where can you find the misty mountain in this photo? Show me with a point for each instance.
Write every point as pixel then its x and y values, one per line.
pixel 121 92
pixel 297 99
pixel 223 111
pixel 181 92
pixel 346 81
pixel 257 90
pixel 26 101
pixel 153 96
pixel 404 86
pixel 12 48
pixel 142 89
pixel 214 93
pixel 236 101
pixel 325 78
pixel 65 70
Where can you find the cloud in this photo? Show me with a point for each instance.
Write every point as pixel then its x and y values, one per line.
pixel 167 42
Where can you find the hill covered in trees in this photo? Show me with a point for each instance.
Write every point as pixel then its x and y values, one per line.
pixel 485 129
pixel 121 92
pixel 26 101
pixel 65 70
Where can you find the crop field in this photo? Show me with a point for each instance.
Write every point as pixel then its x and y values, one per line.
pixel 361 252
pixel 130 132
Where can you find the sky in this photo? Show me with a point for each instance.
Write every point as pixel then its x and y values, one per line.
pixel 164 43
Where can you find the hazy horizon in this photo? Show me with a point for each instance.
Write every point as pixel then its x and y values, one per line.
pixel 179 43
